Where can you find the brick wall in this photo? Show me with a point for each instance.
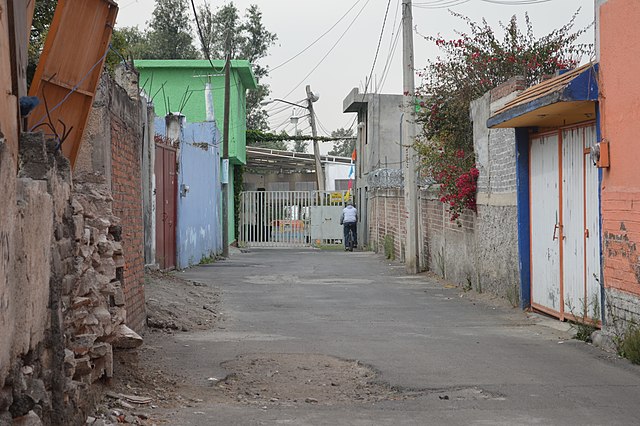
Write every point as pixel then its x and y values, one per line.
pixel 621 235
pixel 446 247
pixel 127 202
pixel 386 216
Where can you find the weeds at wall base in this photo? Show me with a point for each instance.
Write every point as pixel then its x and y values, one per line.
pixel 389 247
pixel 631 345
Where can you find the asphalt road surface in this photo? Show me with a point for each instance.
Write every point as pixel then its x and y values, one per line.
pixel 316 337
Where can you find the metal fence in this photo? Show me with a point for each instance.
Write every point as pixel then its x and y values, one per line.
pixel 290 218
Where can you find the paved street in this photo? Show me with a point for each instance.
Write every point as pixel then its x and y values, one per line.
pixel 462 360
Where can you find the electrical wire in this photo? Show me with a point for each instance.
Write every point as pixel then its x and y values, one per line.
pixel 392 52
pixel 205 48
pixel 330 50
pixel 375 58
pixel 393 42
pixel 317 39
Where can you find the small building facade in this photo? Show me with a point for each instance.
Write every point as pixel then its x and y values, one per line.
pixel 181 85
pixel 378 145
pixel 558 194
pixel 619 57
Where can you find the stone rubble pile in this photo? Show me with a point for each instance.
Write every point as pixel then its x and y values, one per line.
pixel 92 294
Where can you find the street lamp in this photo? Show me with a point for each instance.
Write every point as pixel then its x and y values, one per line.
pixel 311 98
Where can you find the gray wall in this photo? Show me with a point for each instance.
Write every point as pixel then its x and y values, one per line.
pixel 273 181
pixel 496 226
pixel 378 144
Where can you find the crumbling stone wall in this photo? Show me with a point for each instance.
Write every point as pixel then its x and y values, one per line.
pixel 62 304
pixel 114 147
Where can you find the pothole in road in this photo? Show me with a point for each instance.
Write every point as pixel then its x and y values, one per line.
pixel 295 379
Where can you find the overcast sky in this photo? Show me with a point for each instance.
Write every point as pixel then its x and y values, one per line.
pixel 298 23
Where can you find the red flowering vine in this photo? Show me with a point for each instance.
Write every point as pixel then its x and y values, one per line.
pixel 470 65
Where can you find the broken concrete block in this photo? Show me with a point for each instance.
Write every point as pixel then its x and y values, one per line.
pixel 82 343
pixel 102 314
pixel 118 296
pixel 76 206
pixel 83 367
pixel 81 301
pixel 100 350
pixel 78 226
pixel 119 260
pixel 30 419
pixel 124 338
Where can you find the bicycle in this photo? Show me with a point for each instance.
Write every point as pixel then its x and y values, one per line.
pixel 350 242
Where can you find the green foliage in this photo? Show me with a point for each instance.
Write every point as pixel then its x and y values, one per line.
pixel 389 247
pixel 246 38
pixel 131 43
pixel 469 66
pixel 582 324
pixel 169 34
pixel 42 17
pixel 269 140
pixel 300 146
pixel 631 345
pixel 343 147
pixel 207 260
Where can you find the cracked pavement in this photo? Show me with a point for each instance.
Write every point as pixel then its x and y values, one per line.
pixel 432 354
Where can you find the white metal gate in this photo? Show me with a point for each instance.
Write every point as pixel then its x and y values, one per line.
pixel 565 224
pixel 290 218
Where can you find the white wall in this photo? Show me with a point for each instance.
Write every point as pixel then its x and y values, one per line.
pixel 333 171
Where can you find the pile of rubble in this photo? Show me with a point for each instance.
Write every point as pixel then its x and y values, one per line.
pixel 92 295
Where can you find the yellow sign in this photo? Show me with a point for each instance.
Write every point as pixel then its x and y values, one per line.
pixel 336 197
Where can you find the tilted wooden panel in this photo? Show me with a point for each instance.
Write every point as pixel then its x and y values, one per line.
pixel 70 66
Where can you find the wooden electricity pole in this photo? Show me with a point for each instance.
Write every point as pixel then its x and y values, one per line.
pixel 316 148
pixel 225 154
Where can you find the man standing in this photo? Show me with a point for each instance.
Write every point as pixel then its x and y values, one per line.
pixel 349 221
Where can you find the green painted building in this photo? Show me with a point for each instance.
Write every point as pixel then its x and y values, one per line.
pixel 179 86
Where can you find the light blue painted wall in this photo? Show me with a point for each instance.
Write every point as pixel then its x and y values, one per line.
pixel 199 231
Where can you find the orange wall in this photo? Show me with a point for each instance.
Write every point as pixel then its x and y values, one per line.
pixel 620 124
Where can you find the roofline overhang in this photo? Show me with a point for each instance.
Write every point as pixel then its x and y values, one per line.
pixel 556 103
pixel 241 66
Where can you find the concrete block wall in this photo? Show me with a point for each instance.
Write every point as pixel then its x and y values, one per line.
pixel 496 222
pixel 449 247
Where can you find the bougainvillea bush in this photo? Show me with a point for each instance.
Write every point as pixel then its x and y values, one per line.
pixel 469 66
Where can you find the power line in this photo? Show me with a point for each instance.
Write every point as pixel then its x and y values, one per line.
pixel 392 52
pixel 330 50
pixel 375 58
pixel 317 39
pixel 205 48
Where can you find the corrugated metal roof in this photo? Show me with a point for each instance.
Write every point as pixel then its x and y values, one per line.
pixel 291 162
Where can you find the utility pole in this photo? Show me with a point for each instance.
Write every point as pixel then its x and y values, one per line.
pixel 412 263
pixel 316 148
pixel 225 154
